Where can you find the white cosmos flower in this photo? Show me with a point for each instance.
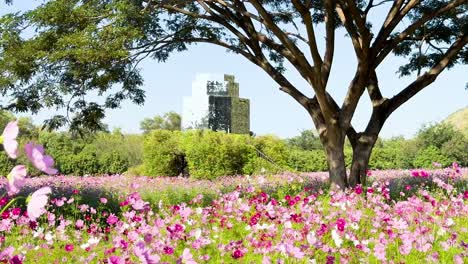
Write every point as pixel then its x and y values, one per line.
pixel 197 233
pixel 38 232
pixel 93 240
pixel 84 246
pixel 336 238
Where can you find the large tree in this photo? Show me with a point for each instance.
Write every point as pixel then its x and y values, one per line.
pixel 96 36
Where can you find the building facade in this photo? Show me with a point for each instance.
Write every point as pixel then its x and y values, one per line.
pixel 215 104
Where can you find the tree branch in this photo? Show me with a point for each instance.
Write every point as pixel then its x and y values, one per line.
pixel 347 22
pixel 373 90
pixel 428 77
pixel 330 40
pixel 395 15
pixel 381 50
pixel 307 19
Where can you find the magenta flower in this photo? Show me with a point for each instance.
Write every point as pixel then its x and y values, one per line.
pixel 237 254
pixel 115 260
pixel 37 202
pixel 69 247
pixel 112 219
pixel 340 224
pixel 37 157
pixel 16 179
pixel 8 139
pixel 358 189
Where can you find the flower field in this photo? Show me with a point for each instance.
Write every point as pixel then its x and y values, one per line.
pixel 402 217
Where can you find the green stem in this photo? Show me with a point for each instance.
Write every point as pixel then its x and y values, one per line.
pixel 10 203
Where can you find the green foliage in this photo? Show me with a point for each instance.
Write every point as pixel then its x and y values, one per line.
pixel 307 140
pixel 385 158
pixel 103 153
pixel 125 147
pixel 456 149
pixel 162 153
pixel 72 48
pixel 6 164
pixel 86 161
pixel 307 161
pixel 272 156
pixel 169 121
pixel 113 162
pixel 208 154
pixel 427 156
pixel 212 154
pixel 451 142
pixel 436 135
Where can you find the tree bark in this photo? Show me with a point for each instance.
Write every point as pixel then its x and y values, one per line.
pixel 336 166
pixel 334 149
pixel 359 165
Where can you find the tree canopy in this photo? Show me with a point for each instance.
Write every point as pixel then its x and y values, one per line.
pixel 78 47
pixel 168 121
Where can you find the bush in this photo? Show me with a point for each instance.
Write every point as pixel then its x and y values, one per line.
pixel 212 154
pixel 427 156
pixel 456 149
pixel 102 153
pixel 63 149
pixel 385 158
pixel 272 156
pixel 86 162
pixel 127 147
pixel 162 154
pixel 6 164
pixel 307 161
pixel 307 140
pixel 113 162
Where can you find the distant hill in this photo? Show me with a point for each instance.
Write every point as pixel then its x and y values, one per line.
pixel 459 119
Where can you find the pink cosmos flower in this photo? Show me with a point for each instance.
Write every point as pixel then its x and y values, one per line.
pixel 7 252
pixel 8 139
pixel 37 202
pixel 16 179
pixel 103 200
pixel 115 260
pixel 144 254
pixel 340 224
pixel 37 157
pixel 79 224
pixel 112 219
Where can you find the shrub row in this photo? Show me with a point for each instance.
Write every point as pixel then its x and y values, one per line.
pixel 208 154
pixel 103 153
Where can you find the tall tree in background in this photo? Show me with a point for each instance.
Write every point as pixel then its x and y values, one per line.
pixel 168 121
pixel 93 44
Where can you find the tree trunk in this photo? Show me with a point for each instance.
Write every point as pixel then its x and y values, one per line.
pixel 337 167
pixel 362 149
pixel 359 165
pixel 334 148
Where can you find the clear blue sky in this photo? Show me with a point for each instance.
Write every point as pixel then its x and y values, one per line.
pixel 272 111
